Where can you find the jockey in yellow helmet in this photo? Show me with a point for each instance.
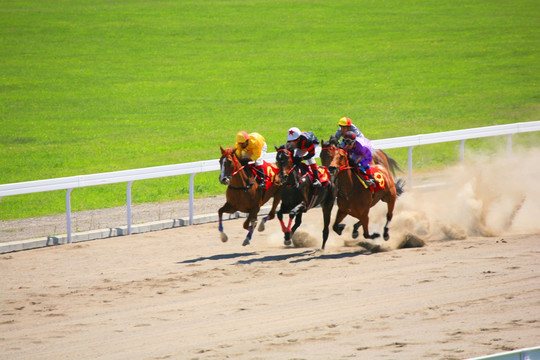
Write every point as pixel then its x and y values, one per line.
pixel 345 124
pixel 253 147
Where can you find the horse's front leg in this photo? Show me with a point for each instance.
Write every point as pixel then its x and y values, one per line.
pixel 227 208
pixel 286 229
pixel 338 226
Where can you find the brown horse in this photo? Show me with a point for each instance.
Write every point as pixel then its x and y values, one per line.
pixel 356 199
pixel 298 194
pixel 379 158
pixel 244 193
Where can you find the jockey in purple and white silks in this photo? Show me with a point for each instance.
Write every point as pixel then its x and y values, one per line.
pixel 359 151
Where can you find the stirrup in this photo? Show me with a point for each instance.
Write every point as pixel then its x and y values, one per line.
pixel 317 183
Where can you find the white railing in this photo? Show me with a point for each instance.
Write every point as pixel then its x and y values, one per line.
pixel 129 176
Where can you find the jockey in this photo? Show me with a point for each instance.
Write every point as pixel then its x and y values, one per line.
pixel 253 147
pixel 345 124
pixel 305 143
pixel 359 150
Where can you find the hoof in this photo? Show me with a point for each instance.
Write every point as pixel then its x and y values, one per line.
pixel 261 225
pixel 338 228
pixel 287 242
pixel 355 234
pixel 372 236
pixel 386 237
pixel 224 237
pixel 246 242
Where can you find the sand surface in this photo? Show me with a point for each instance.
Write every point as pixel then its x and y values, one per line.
pixel 471 287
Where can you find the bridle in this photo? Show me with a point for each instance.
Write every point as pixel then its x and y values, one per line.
pixel 291 165
pixel 239 167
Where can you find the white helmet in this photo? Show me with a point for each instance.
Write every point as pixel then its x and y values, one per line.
pixel 293 133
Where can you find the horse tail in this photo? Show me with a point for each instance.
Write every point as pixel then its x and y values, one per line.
pixel 392 163
pixel 400 187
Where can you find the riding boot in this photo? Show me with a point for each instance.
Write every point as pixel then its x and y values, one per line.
pixel 315 172
pixel 370 181
pixel 260 177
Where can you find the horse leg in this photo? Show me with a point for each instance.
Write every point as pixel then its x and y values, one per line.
pixel 250 232
pixel 250 223
pixel 338 227
pixel 227 208
pixel 285 229
pixel 327 212
pixel 297 222
pixel 389 215
pixel 271 214
pixel 355 232
pixel 365 225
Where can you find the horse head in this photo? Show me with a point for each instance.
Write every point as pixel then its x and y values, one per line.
pixel 339 160
pixel 229 165
pixel 327 150
pixel 284 161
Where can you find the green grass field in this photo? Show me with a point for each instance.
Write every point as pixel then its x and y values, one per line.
pixel 96 86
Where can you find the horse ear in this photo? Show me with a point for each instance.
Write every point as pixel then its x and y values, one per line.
pixel 276 147
pixel 221 148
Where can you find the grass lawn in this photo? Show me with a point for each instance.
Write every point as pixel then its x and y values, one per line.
pixel 96 86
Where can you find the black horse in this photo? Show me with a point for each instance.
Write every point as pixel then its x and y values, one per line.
pixel 298 194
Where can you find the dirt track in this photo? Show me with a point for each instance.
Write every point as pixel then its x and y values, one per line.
pixel 182 294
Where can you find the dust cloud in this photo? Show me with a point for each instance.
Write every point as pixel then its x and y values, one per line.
pixel 486 197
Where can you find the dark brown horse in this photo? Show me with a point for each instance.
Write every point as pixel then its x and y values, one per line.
pixel 244 193
pixel 298 194
pixel 356 199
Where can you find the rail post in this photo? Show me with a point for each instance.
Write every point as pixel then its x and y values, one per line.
pixel 128 201
pixel 68 215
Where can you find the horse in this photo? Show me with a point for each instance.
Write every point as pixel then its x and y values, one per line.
pixel 379 158
pixel 298 194
pixel 244 193
pixel 355 198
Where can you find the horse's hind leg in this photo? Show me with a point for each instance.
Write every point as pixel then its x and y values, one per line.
pixel 389 215
pixel 227 208
pixel 250 224
pixel 365 226
pixel 271 214
pixel 297 222
pixel 250 232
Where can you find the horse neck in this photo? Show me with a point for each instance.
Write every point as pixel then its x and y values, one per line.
pixel 241 178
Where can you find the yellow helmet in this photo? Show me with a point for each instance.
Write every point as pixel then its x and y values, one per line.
pixel 242 137
pixel 345 121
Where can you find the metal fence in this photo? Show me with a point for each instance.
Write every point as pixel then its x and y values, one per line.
pixel 193 168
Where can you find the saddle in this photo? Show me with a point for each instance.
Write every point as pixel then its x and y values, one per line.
pixel 375 174
pixel 267 170
pixel 324 175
